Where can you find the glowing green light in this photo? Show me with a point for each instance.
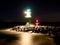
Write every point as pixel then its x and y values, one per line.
pixel 27 23
pixel 28 10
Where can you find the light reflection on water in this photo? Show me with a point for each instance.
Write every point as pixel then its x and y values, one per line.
pixel 35 39
pixel 26 39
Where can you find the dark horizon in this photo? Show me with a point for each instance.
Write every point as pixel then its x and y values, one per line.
pixel 12 24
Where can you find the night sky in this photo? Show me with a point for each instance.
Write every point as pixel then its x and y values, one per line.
pixel 13 10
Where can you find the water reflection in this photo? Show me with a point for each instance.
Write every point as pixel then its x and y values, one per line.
pixel 35 39
pixel 24 38
pixel 42 40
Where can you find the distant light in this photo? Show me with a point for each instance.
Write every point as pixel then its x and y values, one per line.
pixel 36 20
pixel 28 13
pixel 28 10
pixel 27 23
pixel 37 24
pixel 28 16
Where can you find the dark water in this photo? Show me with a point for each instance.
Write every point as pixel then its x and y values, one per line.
pixel 23 38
